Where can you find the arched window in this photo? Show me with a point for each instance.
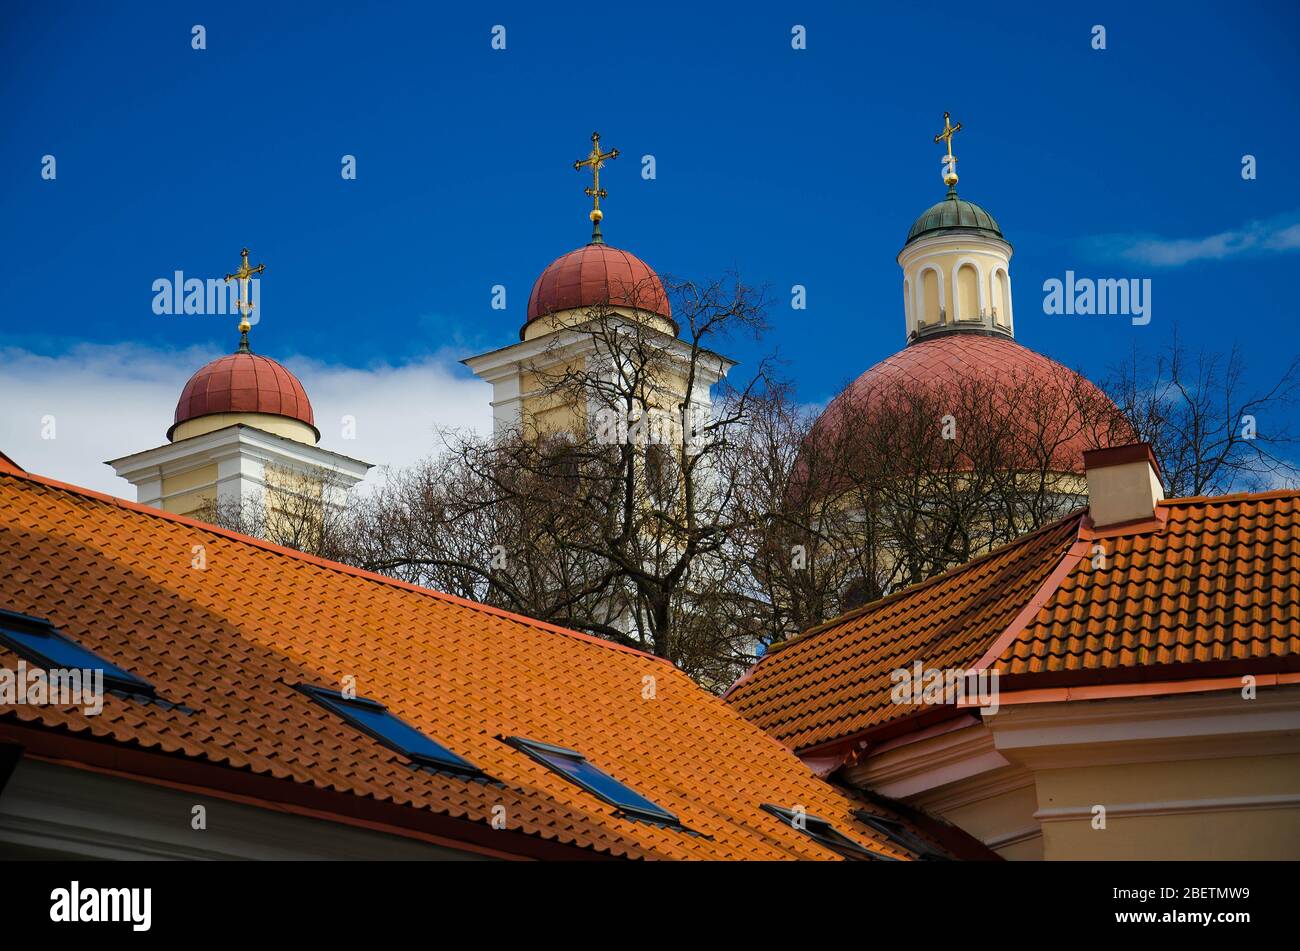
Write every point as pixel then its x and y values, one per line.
pixel 968 293
pixel 660 473
pixel 1001 297
pixel 997 302
pixel 930 303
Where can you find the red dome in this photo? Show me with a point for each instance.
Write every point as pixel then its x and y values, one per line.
pixel 598 274
pixel 947 360
pixel 243 383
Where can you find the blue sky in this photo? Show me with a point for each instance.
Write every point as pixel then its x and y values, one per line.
pixel 790 166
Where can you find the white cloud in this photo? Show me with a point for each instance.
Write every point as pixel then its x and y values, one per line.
pixel 1277 235
pixel 109 401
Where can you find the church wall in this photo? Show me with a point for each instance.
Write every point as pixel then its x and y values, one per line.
pixel 1184 775
pixel 193 479
pixel 1002 821
pixel 187 492
pixel 1231 808
pixel 547 411
pixel 934 276
pixel 189 503
pixel 551 412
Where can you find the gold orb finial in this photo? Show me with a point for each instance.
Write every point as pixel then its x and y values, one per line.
pixel 243 275
pixel 595 161
pixel 949 160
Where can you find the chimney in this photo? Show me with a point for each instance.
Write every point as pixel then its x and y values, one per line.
pixel 1123 484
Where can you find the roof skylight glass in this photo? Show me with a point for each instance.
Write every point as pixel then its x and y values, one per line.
pixel 373 718
pixel 39 642
pixel 900 834
pixel 578 769
pixel 822 832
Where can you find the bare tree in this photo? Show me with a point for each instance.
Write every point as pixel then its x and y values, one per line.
pixel 1210 433
pixel 610 513
pixel 488 520
pixel 618 510
pixel 894 484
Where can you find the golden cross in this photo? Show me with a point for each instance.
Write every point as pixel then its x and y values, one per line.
pixel 595 161
pixel 242 275
pixel 946 134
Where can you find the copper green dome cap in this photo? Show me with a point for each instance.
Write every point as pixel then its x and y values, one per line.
pixel 953 213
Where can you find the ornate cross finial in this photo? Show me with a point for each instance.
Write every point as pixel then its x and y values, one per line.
pixel 948 130
pixel 595 161
pixel 950 160
pixel 242 274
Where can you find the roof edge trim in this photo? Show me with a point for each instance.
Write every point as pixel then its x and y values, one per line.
pixel 187 774
pixel 1151 688
pixel 1069 561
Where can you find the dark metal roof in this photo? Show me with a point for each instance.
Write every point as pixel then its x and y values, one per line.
pixel 953 212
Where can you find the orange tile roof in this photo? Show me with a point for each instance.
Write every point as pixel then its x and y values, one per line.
pixel 833 681
pixel 1208 583
pixel 1219 582
pixel 231 641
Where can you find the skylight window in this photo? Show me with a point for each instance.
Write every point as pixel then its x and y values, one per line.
pixel 901 835
pixel 822 832
pixel 578 769
pixel 374 719
pixel 40 643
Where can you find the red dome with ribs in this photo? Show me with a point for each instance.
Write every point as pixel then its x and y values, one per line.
pixel 947 361
pixel 243 383
pixel 598 274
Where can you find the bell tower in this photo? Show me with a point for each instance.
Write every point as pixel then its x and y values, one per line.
pixel 596 282
pixel 956 264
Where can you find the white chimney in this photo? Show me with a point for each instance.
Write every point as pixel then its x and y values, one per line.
pixel 1123 484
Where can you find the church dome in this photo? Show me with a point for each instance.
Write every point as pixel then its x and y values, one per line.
pixel 951 214
pixel 598 274
pixel 244 382
pixel 945 362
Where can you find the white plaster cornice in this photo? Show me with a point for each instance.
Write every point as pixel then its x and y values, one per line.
pixel 235 440
pixel 569 342
pixel 1173 807
pixel 918 768
pixel 951 242
pixel 1149 729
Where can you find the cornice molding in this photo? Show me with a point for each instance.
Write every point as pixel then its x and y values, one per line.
pixel 1149 729
pixel 234 440
pixel 1172 807
pixel 967 756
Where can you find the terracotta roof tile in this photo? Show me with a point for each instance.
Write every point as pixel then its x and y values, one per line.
pixel 833 681
pixel 229 643
pixel 1220 582
pixel 1215 581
